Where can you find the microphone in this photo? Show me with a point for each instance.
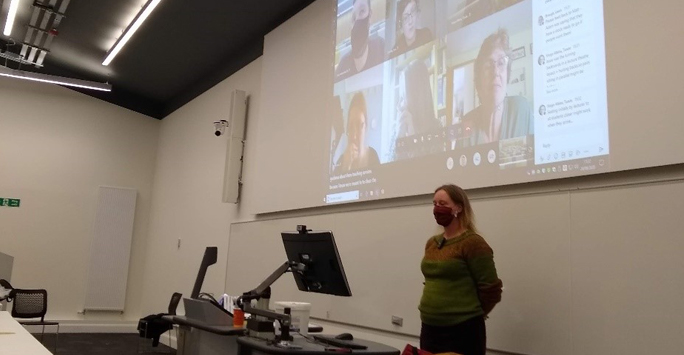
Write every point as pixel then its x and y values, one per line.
pixel 440 244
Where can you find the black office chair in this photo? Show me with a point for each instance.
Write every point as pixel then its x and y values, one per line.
pixel 153 326
pixel 32 304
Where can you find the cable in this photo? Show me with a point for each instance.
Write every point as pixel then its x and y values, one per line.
pixel 209 296
pixel 312 340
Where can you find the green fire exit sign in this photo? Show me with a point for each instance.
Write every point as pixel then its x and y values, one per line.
pixel 9 202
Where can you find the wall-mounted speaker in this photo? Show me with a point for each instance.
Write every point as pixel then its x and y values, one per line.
pixel 232 179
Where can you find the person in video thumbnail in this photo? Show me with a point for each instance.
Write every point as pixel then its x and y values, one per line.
pixel 357 155
pixel 461 283
pixel 366 50
pixel 499 116
pixel 412 36
pixel 416 112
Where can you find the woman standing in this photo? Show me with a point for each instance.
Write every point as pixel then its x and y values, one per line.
pixel 461 284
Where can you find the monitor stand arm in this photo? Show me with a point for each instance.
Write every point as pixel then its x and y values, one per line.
pixel 283 319
pixel 260 290
pixel 263 294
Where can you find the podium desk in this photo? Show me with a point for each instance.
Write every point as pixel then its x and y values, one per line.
pixel 196 337
pixel 257 346
pixel 194 323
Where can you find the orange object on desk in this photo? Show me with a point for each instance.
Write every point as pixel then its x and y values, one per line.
pixel 238 318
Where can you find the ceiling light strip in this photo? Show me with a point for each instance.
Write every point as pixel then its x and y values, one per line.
pixel 34 16
pixel 32 53
pixel 11 14
pixel 24 49
pixel 41 58
pixel 47 16
pixel 63 6
pixel 130 30
pixel 29 34
pixel 52 79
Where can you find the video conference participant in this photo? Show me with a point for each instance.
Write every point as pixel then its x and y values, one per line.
pixel 338 140
pixel 366 50
pixel 358 155
pixel 461 283
pixel 412 36
pixel 499 116
pixel 415 108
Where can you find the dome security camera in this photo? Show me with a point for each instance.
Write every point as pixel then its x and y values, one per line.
pixel 220 127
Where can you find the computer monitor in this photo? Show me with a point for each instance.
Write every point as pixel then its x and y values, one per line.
pixel 323 271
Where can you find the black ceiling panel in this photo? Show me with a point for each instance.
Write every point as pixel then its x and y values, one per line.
pixel 183 49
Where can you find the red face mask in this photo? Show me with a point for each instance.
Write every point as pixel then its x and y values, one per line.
pixel 443 215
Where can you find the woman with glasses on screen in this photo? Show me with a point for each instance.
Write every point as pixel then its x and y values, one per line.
pixel 499 116
pixel 411 36
pixel 461 283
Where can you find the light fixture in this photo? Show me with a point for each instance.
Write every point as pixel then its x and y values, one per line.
pixel 130 30
pixel 53 79
pixel 11 14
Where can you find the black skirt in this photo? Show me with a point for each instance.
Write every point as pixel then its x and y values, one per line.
pixel 467 338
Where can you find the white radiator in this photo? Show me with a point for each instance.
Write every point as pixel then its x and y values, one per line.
pixel 110 250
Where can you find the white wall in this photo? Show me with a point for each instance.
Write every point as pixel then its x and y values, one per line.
pixel 188 187
pixel 56 147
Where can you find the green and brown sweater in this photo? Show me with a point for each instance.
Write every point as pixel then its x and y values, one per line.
pixel 460 280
